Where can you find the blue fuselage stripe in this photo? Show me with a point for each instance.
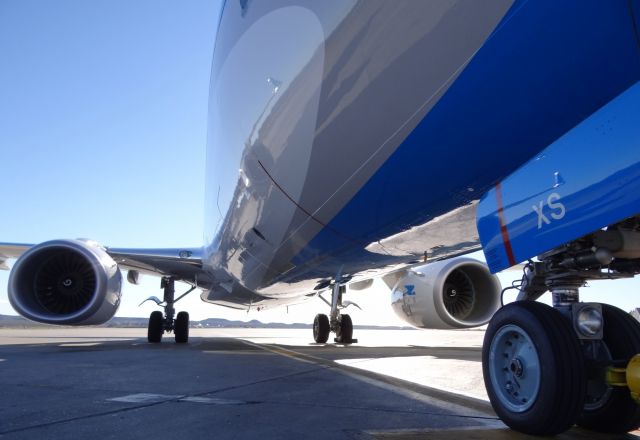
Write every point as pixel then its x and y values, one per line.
pixel 546 67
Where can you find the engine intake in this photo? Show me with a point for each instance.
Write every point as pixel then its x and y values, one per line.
pixel 456 293
pixel 66 282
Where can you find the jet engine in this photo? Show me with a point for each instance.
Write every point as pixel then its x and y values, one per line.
pixel 456 293
pixel 66 282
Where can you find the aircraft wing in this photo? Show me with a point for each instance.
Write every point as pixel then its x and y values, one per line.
pixel 11 250
pixel 181 263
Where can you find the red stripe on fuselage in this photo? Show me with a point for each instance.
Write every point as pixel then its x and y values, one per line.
pixel 503 226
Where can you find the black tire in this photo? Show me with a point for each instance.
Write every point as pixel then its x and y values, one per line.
pixel 321 328
pixel 156 327
pixel 181 328
pixel 345 331
pixel 616 412
pixel 548 356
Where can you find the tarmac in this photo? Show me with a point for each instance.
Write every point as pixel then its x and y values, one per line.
pixel 104 383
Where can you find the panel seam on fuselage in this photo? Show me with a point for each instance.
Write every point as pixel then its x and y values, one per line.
pixel 301 208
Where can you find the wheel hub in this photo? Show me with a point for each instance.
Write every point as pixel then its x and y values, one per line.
pixel 514 368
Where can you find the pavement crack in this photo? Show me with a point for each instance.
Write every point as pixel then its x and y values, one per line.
pixel 378 409
pixel 84 417
pixel 261 381
pixel 161 402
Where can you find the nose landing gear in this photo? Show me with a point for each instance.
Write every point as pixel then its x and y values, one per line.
pixel 548 368
pixel 533 368
pixel 541 378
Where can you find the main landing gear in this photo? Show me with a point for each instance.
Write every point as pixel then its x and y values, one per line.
pixel 548 368
pixel 338 323
pixel 160 323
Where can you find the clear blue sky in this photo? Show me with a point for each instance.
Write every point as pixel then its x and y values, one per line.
pixel 102 119
pixel 103 110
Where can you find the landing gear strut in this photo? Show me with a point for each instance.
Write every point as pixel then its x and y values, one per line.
pixel 336 322
pixel 160 323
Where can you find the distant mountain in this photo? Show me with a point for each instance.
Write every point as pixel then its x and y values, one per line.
pixel 216 322
pixel 8 321
pixel 20 322
pixel 16 321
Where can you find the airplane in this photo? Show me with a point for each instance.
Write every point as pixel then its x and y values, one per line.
pixel 351 140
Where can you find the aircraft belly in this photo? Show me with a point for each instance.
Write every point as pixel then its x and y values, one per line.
pixel 385 66
pixel 516 96
pixel 363 134
pixel 332 90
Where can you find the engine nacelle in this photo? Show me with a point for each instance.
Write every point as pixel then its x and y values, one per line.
pixel 66 282
pixel 457 293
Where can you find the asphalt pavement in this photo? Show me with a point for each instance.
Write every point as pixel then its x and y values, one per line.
pixel 99 383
